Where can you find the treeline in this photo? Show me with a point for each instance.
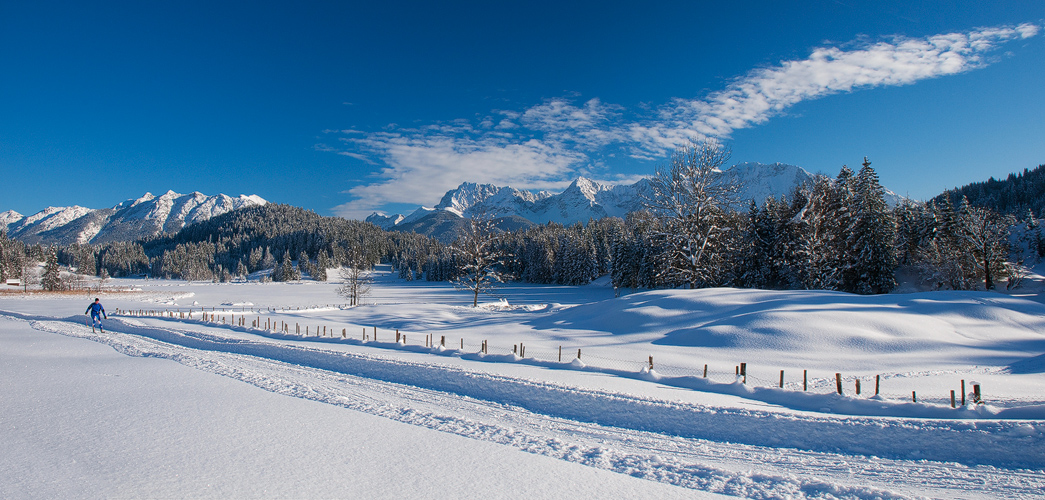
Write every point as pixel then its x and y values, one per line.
pixel 833 234
pixel 1017 194
pixel 229 246
pixel 547 254
pixel 256 238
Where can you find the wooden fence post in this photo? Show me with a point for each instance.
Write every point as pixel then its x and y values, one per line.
pixel 344 333
pixel 560 354
pixel 976 393
pixel 578 354
pixel 857 387
pixel 651 363
pixel 838 382
pixel 914 397
pixel 705 370
pixel 743 372
pixel 952 398
pixel 375 334
pixel 397 335
pixel 442 341
pixel 877 379
pixel 963 392
pixel 805 380
pixel 781 379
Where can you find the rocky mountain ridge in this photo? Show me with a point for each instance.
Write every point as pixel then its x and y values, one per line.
pixel 587 199
pixel 132 219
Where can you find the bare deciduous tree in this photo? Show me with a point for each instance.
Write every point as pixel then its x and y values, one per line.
pixel 986 235
pixel 693 199
pixel 356 280
pixel 481 259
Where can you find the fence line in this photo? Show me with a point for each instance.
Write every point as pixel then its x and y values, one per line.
pixel 852 386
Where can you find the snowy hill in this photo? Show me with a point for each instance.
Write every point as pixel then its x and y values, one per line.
pixel 587 199
pixel 204 407
pixel 133 219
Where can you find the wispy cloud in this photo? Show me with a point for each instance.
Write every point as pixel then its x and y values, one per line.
pixel 421 166
pixel 543 146
pixel 767 92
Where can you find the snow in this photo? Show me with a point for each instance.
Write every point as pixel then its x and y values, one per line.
pixel 94 423
pixel 585 198
pixel 9 217
pixel 163 406
pixel 131 219
pixel 51 217
pixel 416 215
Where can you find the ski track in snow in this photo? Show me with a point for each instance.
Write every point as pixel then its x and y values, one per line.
pixel 693 446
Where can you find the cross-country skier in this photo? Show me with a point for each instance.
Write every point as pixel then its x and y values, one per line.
pixel 97 311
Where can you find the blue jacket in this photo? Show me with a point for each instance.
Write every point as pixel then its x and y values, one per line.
pixel 95 309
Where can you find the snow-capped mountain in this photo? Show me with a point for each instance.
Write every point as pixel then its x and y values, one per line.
pixel 587 199
pixel 133 219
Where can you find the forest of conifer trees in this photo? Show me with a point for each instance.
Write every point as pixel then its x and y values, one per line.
pixel 832 234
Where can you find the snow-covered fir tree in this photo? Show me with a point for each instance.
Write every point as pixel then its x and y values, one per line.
pixel 872 235
pixel 51 279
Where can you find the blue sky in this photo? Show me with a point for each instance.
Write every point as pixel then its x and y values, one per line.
pixel 350 107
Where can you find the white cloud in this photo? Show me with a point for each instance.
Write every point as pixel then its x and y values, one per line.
pixel 420 168
pixel 544 146
pixel 767 92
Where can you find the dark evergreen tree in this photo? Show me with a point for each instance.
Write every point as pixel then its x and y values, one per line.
pixel 51 280
pixel 872 237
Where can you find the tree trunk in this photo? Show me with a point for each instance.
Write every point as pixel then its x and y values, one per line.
pixel 987 278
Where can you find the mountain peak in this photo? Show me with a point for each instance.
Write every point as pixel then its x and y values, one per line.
pixel 465 196
pixel 130 220
pixel 145 198
pixel 9 217
pixel 586 198
pixel 586 187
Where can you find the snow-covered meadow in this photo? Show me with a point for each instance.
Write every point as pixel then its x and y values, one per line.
pixel 177 406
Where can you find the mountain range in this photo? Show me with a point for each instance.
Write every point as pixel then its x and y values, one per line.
pixel 133 219
pixel 511 208
pixel 586 199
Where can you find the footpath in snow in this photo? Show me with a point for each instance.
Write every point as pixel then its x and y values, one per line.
pixel 712 435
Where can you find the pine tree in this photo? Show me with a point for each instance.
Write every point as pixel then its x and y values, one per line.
pixel 51 279
pixel 872 236
pixel 284 271
pixel 4 251
pixel 822 238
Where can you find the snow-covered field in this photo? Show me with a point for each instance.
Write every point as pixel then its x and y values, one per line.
pixel 173 406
